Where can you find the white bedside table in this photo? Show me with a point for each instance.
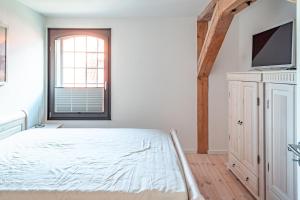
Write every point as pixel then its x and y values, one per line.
pixel 50 125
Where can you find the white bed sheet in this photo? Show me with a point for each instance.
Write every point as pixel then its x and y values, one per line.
pixel 90 164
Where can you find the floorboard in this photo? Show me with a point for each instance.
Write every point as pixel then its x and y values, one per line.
pixel 215 181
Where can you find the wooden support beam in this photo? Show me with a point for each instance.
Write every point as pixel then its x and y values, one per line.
pixel 202 114
pixel 223 14
pixel 207 13
pixel 202 94
pixel 213 41
pixel 202 27
pixel 232 6
pixel 220 13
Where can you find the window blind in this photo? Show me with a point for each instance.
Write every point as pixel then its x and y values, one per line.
pixel 79 100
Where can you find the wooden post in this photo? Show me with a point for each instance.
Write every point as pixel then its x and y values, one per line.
pixel 202 114
pixel 220 13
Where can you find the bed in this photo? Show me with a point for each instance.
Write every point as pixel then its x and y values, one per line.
pixel 90 164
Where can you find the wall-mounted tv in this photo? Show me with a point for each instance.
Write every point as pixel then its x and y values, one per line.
pixel 274 48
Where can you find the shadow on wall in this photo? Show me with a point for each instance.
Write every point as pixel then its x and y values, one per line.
pixel 35 112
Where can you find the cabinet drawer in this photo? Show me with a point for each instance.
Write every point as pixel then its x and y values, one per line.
pixel 247 178
pixel 250 181
pixel 235 166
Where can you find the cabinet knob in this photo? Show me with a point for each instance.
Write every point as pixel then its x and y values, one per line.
pixel 233 165
pixel 239 122
pixel 247 179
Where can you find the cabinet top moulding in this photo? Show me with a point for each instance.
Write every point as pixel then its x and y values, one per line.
pixel 282 77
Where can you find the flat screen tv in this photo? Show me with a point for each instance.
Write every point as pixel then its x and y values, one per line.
pixel 274 48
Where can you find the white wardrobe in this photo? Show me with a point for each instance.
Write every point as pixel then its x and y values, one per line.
pixel 261 124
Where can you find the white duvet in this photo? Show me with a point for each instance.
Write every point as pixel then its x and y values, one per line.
pixel 90 164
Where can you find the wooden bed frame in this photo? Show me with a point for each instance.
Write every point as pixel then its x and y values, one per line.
pixel 15 123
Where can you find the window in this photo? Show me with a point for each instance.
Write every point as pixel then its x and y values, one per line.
pixel 79 74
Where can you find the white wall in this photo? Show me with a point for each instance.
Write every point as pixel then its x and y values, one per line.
pixel 217 94
pixel 235 55
pixel 153 74
pixel 25 60
pixel 298 94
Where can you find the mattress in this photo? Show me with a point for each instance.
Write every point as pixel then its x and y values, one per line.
pixel 90 164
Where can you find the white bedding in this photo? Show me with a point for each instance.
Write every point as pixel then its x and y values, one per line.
pixel 90 164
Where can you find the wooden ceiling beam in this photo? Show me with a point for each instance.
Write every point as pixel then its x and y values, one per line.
pixel 218 28
pixel 207 13
pixel 222 17
pixel 231 6
pixel 202 27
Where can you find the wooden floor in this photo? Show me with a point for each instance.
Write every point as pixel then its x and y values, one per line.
pixel 214 180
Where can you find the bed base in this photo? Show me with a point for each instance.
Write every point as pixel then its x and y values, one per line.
pixel 12 124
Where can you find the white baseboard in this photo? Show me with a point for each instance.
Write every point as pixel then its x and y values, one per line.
pixel 218 152
pixel 188 151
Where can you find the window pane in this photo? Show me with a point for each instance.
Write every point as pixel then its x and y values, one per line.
pixel 80 76
pixel 68 44
pixel 68 60
pixel 80 85
pixel 92 60
pixel 92 44
pixel 68 85
pixel 68 76
pixel 101 60
pixel 91 85
pixel 100 75
pixel 101 85
pixel 80 43
pixel 58 67
pixel 100 45
pixel 77 63
pixel 92 75
pixel 80 60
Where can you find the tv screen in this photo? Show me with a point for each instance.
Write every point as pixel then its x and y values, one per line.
pixel 273 47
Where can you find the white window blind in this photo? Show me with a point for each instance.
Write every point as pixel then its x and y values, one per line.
pixel 79 100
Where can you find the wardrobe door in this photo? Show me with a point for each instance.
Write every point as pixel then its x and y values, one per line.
pixel 249 125
pixel 280 132
pixel 235 115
